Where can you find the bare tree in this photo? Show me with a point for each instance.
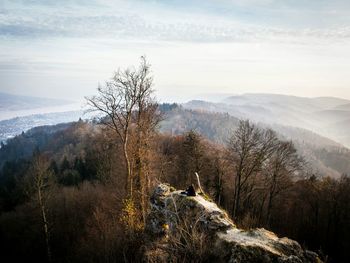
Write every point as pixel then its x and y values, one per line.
pixel 38 183
pixel 283 163
pixel 147 118
pixel 118 100
pixel 218 181
pixel 250 147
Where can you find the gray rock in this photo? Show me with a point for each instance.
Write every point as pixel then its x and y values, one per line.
pixel 228 243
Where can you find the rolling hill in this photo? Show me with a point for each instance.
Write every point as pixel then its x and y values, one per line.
pixel 326 116
pixel 323 155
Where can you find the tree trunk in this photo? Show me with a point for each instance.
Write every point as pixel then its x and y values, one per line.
pixel 45 226
pixel 269 206
pixel 128 182
pixel 261 213
pixel 271 196
pixel 237 196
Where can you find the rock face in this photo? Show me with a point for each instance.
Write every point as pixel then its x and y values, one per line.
pixel 178 221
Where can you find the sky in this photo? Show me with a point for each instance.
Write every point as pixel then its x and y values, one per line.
pixel 65 49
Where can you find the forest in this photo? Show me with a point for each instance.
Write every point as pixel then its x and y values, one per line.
pixel 79 192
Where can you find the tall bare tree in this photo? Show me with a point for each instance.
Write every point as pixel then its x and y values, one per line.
pixel 118 100
pixel 147 118
pixel 283 163
pixel 249 147
pixel 38 184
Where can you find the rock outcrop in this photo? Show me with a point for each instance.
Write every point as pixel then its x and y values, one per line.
pixel 178 221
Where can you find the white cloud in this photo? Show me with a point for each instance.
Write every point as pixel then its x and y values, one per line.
pixel 142 22
pixel 55 48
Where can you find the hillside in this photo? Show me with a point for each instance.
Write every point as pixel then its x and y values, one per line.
pixel 214 126
pixel 323 115
pixel 219 126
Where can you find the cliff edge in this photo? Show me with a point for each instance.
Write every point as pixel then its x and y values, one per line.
pixel 197 230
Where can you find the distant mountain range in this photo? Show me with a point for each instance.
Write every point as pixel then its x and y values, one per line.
pixel 326 116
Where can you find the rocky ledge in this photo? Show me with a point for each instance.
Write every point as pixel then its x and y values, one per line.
pixel 204 232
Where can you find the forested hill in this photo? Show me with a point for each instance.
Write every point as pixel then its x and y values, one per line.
pixel 214 126
pixel 326 116
pixel 45 138
pixel 325 156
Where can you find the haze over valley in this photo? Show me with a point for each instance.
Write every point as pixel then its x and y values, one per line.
pixel 315 125
pixel 327 116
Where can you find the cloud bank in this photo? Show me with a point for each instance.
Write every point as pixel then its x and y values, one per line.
pixel 297 47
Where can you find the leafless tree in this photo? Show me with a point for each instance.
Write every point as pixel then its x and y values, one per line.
pixel 128 91
pixel 283 163
pixel 38 184
pixel 249 147
pixel 147 118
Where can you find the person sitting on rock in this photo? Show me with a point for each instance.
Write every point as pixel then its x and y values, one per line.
pixel 190 191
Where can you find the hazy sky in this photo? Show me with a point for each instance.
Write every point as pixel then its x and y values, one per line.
pixel 65 48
